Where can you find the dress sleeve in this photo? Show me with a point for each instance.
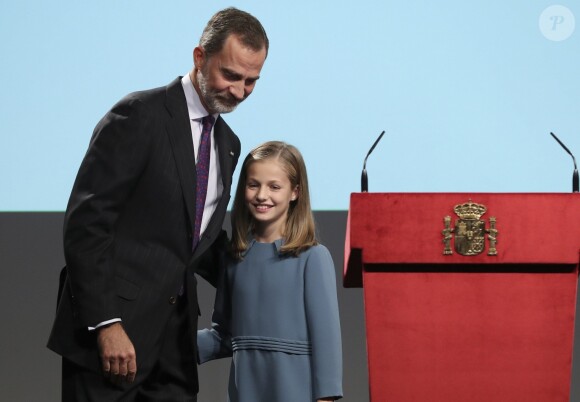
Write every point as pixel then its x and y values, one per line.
pixel 215 343
pixel 323 323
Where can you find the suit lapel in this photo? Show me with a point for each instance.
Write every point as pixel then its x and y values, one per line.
pixel 179 132
pixel 178 129
pixel 226 153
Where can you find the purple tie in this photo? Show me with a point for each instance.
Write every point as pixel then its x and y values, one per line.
pixel 202 170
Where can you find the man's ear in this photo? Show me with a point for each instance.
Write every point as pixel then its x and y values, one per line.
pixel 198 57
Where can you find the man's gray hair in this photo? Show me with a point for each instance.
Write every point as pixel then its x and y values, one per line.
pixel 231 21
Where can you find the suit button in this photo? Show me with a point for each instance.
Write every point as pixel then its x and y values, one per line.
pixel 172 300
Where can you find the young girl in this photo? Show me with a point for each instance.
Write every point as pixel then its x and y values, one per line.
pixel 276 307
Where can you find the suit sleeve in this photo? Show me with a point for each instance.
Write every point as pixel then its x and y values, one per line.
pixel 323 323
pixel 116 156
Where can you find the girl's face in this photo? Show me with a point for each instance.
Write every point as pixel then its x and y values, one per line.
pixel 268 196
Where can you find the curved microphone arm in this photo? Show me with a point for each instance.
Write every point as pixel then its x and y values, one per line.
pixel 364 180
pixel 575 180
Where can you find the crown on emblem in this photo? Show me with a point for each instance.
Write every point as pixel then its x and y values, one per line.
pixel 470 210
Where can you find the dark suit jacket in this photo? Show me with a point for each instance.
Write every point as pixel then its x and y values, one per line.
pixel 129 222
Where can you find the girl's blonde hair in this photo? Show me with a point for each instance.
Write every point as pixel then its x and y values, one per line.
pixel 300 230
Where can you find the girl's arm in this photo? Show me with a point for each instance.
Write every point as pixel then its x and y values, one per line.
pixel 215 343
pixel 323 324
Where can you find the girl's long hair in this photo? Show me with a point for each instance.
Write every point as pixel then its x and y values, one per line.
pixel 300 231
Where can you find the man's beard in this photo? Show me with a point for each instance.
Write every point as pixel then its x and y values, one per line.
pixel 218 102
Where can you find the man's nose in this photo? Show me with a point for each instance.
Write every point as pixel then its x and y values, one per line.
pixel 237 90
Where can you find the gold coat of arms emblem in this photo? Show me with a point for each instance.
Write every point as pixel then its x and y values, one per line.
pixel 470 231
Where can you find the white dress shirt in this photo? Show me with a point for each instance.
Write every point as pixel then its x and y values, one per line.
pixel 215 187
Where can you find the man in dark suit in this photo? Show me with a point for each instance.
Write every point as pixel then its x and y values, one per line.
pixel 133 234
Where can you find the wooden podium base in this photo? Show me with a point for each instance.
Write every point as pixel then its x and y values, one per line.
pixel 468 335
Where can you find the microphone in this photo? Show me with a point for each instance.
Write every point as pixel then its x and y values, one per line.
pixel 364 181
pixel 575 185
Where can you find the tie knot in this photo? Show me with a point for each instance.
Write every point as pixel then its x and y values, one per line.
pixel 207 122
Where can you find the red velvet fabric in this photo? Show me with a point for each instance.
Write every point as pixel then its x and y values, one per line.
pixel 458 328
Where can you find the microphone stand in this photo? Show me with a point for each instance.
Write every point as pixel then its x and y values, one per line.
pixel 364 181
pixel 575 181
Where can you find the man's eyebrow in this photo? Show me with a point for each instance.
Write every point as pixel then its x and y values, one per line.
pixel 237 76
pixel 231 74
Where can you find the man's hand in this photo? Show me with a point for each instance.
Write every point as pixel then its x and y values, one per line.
pixel 117 354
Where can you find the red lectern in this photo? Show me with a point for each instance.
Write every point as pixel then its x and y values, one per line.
pixel 468 297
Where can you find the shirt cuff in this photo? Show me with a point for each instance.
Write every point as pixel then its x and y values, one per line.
pixel 104 323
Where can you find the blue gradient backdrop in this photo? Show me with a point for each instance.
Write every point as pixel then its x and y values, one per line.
pixel 466 91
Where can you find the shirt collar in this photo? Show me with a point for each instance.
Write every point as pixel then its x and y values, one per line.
pixel 195 109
